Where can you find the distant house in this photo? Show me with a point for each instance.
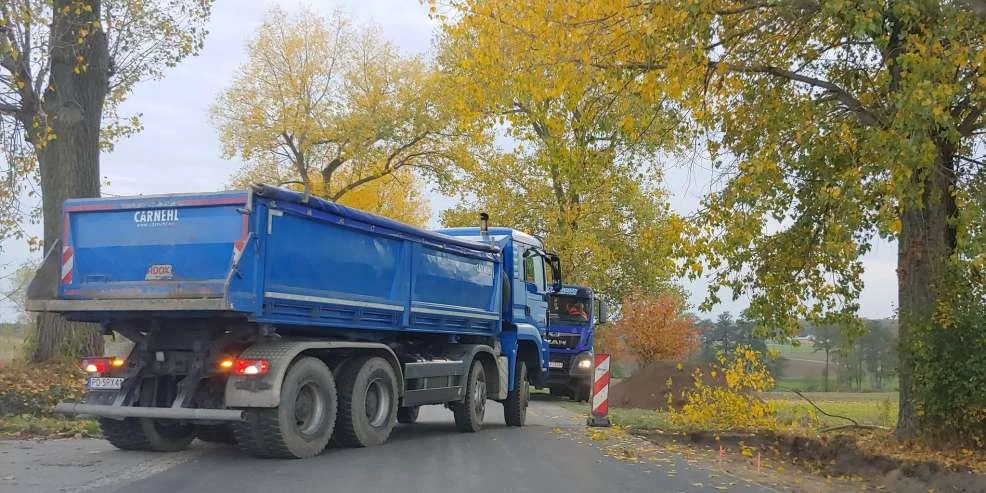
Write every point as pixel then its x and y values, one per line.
pixel 809 339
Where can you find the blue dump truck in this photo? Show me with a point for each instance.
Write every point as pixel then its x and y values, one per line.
pixel 282 321
pixel 573 312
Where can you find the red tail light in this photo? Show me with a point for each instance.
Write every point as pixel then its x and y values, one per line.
pixel 251 367
pixel 101 365
pixel 95 365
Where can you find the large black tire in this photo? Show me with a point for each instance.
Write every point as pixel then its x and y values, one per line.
pixel 515 406
pixel 408 415
pixel 147 434
pixel 215 433
pixel 302 424
pixel 368 402
pixel 470 412
pixel 581 392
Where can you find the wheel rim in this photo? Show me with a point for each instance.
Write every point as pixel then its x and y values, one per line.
pixel 525 394
pixel 378 403
pixel 309 408
pixel 479 395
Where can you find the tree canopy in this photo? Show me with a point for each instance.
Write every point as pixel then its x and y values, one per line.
pixel 65 68
pixel 116 43
pixel 577 158
pixel 830 123
pixel 655 327
pixel 323 100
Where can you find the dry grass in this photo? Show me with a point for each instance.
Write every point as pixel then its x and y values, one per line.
pixel 11 348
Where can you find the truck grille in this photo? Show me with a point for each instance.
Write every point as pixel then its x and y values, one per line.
pixel 563 341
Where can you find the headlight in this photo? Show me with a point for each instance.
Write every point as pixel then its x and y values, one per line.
pixel 585 364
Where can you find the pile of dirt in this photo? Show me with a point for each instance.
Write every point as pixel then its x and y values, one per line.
pixel 648 387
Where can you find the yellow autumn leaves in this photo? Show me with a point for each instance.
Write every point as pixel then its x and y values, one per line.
pixel 727 399
pixel 332 107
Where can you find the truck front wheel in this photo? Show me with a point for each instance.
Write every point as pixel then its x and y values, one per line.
pixel 302 423
pixel 559 391
pixel 581 392
pixel 368 402
pixel 470 412
pixel 147 434
pixel 515 407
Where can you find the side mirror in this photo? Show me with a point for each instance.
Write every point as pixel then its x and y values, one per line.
pixel 603 313
pixel 555 264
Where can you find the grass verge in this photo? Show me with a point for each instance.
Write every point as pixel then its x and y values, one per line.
pixel 28 393
pixel 27 426
pixel 792 412
pixel 872 456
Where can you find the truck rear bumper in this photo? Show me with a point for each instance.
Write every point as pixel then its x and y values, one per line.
pixel 121 412
pixel 143 305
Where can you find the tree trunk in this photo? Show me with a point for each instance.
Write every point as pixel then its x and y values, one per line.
pixel 926 242
pixel 826 386
pixel 69 164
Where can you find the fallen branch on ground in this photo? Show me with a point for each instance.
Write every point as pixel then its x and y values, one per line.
pixel 855 424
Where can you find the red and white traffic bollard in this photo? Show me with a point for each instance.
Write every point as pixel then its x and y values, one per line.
pixel 600 392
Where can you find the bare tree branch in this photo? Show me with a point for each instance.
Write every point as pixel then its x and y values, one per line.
pixel 865 115
pixel 10 109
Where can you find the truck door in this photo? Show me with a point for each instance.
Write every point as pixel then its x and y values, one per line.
pixel 536 289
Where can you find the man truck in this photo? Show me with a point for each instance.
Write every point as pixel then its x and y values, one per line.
pixel 573 313
pixel 282 321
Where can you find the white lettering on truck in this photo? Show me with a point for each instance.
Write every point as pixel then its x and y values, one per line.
pixel 156 217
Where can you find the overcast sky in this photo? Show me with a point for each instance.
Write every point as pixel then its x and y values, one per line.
pixel 178 151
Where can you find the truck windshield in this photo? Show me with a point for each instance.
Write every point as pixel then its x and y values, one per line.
pixel 569 308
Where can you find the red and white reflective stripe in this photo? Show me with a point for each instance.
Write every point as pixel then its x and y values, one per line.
pixel 239 244
pixel 600 386
pixel 68 263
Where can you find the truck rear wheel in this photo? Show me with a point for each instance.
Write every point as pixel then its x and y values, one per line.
pixel 302 424
pixel 408 415
pixel 470 412
pixel 147 434
pixel 368 402
pixel 515 407
pixel 215 433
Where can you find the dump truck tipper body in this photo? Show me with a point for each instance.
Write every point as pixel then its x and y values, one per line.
pixel 267 309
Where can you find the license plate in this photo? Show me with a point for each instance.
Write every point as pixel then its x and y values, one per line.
pixel 556 364
pixel 105 383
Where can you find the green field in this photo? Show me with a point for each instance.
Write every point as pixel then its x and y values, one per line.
pixel 871 408
pixel 803 351
pixel 803 369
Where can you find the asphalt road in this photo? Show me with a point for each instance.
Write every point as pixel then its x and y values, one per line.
pixel 551 454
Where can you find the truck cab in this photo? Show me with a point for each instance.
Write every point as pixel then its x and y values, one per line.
pixel 528 272
pixel 572 312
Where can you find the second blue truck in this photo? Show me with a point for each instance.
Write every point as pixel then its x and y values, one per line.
pixel 574 311
pixel 282 321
